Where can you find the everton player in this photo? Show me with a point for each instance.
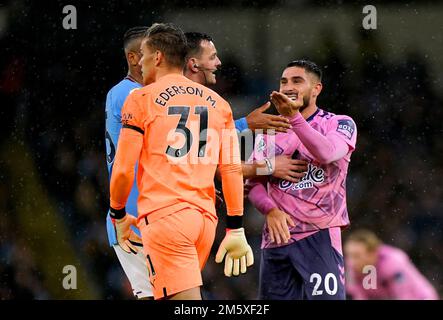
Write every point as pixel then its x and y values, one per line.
pixel 301 248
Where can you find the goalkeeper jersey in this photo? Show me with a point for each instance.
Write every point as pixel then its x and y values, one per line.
pixel 186 130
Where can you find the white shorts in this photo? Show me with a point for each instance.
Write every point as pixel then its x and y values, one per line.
pixel 135 268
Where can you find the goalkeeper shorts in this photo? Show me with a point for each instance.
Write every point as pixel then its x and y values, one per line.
pixel 177 247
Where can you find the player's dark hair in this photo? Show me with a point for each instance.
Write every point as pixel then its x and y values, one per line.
pixel 194 40
pixel 309 66
pixel 368 238
pixel 133 33
pixel 169 39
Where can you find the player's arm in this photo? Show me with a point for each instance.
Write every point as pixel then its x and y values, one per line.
pixel 282 167
pixel 277 221
pixel 400 277
pixel 234 247
pixel 128 151
pixel 258 119
pixel 325 148
pixel 250 169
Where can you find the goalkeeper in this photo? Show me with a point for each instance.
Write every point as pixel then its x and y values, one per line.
pixel 177 159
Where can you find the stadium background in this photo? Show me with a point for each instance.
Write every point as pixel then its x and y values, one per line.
pixel 53 82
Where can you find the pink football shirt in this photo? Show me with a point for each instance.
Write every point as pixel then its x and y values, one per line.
pixel 396 279
pixel 318 201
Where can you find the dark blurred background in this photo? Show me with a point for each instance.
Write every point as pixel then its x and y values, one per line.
pixel 53 83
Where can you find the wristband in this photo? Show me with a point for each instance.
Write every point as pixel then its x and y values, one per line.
pixel 117 213
pixel 269 165
pixel 234 222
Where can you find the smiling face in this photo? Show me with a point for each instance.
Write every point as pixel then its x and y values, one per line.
pixel 208 61
pixel 296 80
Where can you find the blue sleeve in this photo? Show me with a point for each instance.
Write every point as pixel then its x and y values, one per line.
pixel 113 126
pixel 241 124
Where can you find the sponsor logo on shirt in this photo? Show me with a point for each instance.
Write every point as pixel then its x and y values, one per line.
pixel 346 127
pixel 126 117
pixel 314 175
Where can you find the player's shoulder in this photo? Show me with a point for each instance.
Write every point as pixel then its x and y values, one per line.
pixel 140 93
pixel 118 93
pixel 213 94
pixel 340 122
pixel 124 87
pixel 344 119
pixel 207 92
pixel 217 100
pixel 331 116
pixel 389 254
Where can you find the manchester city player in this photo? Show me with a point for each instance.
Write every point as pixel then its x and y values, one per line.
pixel 129 254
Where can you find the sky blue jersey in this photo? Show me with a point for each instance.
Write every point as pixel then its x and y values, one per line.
pixel 114 104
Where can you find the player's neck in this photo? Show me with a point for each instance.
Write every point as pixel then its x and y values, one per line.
pixel 167 71
pixel 134 76
pixel 309 111
pixel 192 76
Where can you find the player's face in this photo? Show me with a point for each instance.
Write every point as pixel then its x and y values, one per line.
pixel 147 63
pixel 295 80
pixel 357 255
pixel 137 56
pixel 209 62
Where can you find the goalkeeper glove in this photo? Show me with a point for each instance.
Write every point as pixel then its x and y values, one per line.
pixel 127 239
pixel 237 250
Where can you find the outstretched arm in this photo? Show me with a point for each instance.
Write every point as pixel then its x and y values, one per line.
pixel 325 149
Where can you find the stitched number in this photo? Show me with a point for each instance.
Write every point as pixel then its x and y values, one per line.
pixel 183 111
pixel 203 112
pixel 330 291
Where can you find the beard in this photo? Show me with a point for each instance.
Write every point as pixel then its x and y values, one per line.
pixel 209 78
pixel 306 101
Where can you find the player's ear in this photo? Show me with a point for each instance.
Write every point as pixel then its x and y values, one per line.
pixel 159 57
pixel 317 89
pixel 132 58
pixel 192 65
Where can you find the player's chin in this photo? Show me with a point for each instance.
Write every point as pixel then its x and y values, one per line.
pixel 213 78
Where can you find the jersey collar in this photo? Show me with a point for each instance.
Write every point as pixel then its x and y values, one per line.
pixel 313 115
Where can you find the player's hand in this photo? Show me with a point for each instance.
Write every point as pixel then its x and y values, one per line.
pixel 285 106
pixel 291 170
pixel 278 222
pixel 238 253
pixel 257 119
pixel 127 239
